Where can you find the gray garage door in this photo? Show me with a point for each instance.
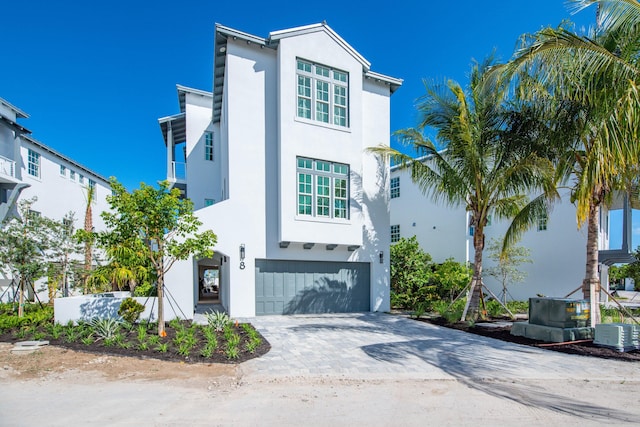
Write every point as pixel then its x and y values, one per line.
pixel 298 287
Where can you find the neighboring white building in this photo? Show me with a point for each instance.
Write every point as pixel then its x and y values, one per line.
pixel 275 163
pixel 28 169
pixel 558 246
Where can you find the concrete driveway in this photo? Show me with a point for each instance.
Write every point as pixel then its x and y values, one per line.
pixel 377 345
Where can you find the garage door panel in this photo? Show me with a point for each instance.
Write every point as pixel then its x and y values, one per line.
pixel 292 287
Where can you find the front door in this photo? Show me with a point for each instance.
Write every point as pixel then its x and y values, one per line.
pixel 209 284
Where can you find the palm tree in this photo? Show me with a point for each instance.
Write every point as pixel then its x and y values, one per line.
pixel 484 166
pixel 89 238
pixel 599 76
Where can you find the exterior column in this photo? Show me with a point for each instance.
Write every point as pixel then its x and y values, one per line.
pixel 170 147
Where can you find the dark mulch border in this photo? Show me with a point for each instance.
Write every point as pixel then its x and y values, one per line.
pixel 587 349
pixel 171 355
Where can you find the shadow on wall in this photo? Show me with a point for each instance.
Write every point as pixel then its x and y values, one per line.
pixel 100 308
pixel 331 296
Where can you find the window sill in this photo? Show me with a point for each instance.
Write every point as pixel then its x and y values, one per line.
pixel 322 124
pixel 337 221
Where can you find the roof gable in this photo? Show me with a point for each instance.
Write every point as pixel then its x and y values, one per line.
pixel 276 36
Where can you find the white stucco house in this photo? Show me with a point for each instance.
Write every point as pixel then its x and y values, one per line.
pixel 29 168
pixel 274 160
pixel 557 245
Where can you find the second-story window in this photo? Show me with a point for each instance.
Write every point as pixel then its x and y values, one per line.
pixel 92 184
pixel 72 175
pixel 208 145
pixel 63 170
pixel 33 163
pixel 395 187
pixel 323 188
pixel 322 93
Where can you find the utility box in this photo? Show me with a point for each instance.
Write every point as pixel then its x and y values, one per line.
pixel 619 336
pixel 559 312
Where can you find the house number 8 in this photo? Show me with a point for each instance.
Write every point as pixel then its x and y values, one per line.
pixel 241 265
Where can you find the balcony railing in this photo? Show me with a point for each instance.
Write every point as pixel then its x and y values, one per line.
pixel 7 167
pixel 178 172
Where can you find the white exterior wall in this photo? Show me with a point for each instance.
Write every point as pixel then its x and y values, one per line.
pixel 558 253
pixel 201 173
pixel 57 194
pixel 259 137
pixel 310 138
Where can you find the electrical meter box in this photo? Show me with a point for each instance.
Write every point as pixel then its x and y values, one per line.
pixel 559 312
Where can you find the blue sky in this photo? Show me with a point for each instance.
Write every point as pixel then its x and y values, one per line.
pixel 96 76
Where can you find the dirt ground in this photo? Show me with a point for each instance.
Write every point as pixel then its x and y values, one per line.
pixel 60 387
pixel 51 361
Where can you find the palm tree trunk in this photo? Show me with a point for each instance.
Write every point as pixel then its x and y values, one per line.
pixel 88 227
pixel 472 308
pixel 591 282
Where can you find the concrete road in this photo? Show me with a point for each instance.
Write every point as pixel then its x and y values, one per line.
pixel 335 370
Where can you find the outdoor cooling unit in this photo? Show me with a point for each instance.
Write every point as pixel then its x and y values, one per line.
pixel 559 313
pixel 619 336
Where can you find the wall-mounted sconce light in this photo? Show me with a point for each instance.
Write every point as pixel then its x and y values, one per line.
pixel 381 257
pixel 224 258
pixel 242 251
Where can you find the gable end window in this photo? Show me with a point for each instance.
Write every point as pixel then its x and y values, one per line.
pixel 322 93
pixel 395 187
pixel 208 146
pixel 33 163
pixel 323 188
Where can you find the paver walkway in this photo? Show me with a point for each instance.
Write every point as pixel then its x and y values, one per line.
pixel 377 345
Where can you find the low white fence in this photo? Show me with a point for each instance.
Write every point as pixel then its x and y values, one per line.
pixel 87 307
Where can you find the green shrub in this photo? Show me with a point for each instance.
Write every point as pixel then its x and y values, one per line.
pixel 410 274
pixel 521 307
pixel 130 310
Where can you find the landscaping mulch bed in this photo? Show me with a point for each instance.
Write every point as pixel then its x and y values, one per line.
pixel 504 334
pixel 130 346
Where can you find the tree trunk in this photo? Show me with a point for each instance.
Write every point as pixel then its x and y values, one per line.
pixel 21 298
pixel 161 331
pixel 591 282
pixel 472 308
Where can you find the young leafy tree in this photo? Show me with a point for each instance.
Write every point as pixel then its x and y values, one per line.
pixel 159 224
pixel 62 255
pixel 24 241
pixel 507 261
pixel 482 166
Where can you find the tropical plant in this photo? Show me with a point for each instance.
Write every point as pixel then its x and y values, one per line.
pixel 105 328
pixel 218 320
pixel 159 225
pixel 598 76
pixel 479 161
